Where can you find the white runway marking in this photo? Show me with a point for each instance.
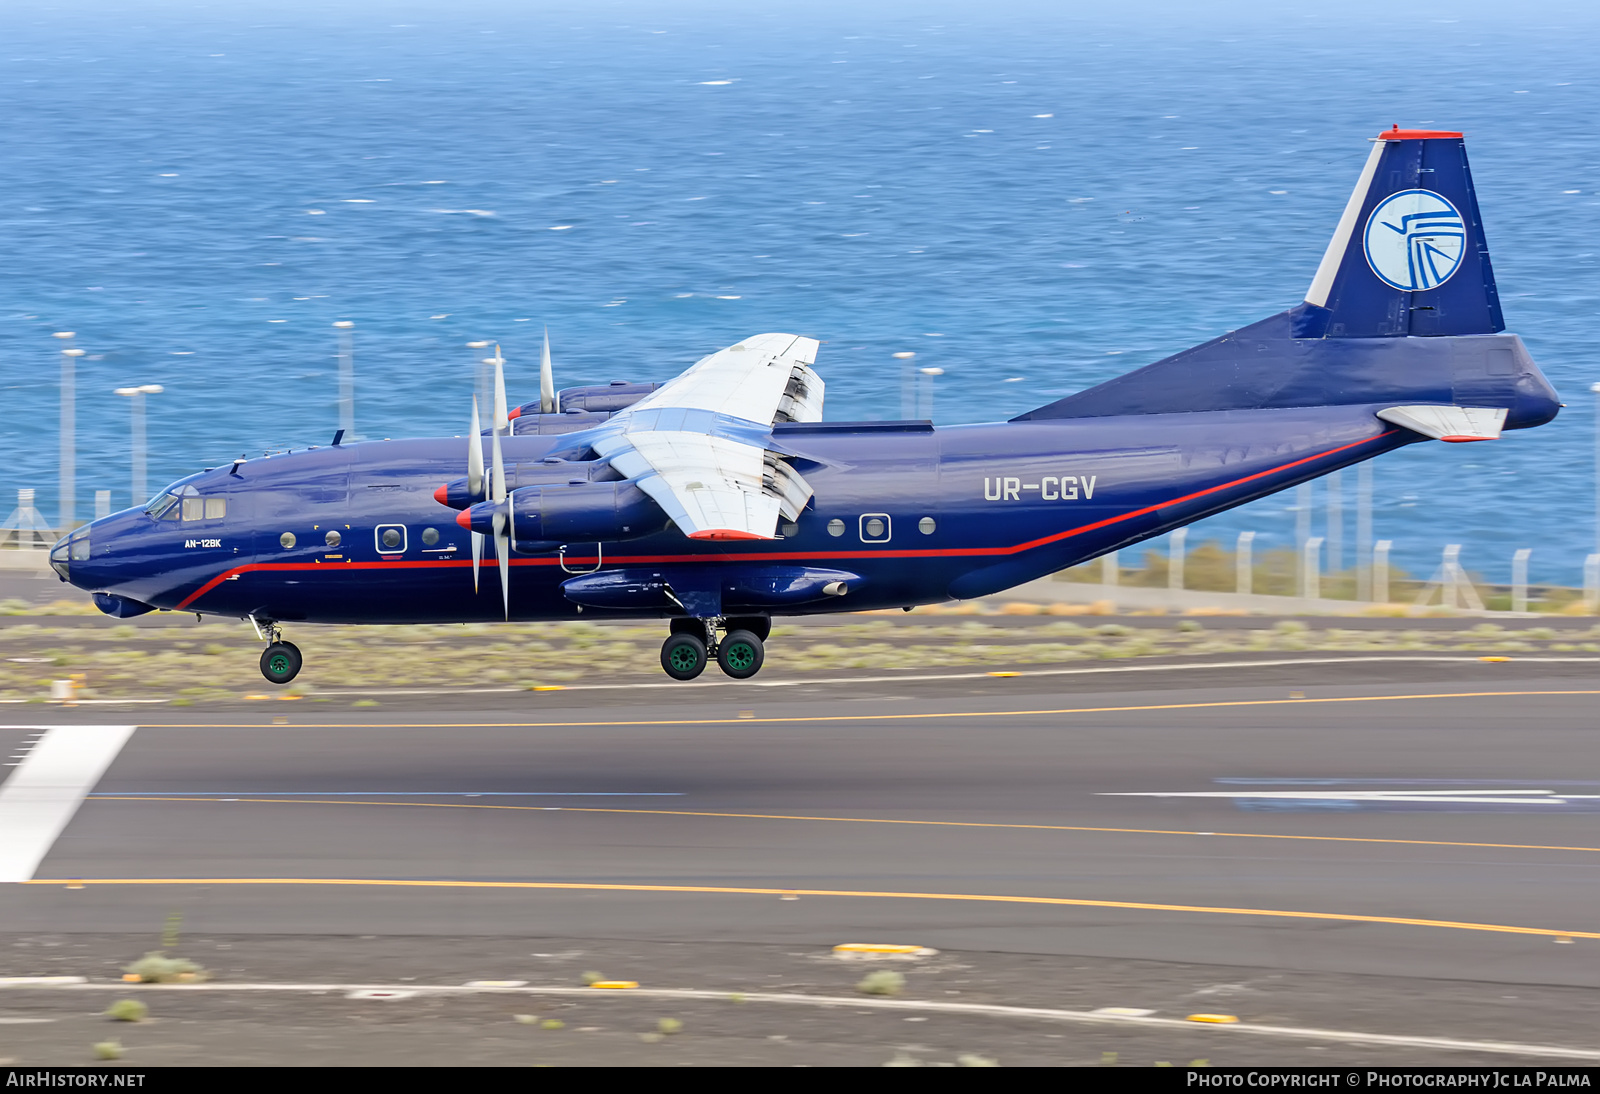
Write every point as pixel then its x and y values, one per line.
pixel 1109 1016
pixel 44 791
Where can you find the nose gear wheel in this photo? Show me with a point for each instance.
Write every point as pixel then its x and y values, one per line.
pixel 280 662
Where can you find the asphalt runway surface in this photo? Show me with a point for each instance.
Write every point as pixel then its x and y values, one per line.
pixel 1403 849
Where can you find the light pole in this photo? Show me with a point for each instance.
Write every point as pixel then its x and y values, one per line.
pixel 69 432
pixel 137 394
pixel 1596 389
pixel 347 380
pixel 925 407
pixel 480 377
pixel 908 385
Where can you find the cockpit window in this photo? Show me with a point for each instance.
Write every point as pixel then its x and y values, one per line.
pixel 160 505
pixel 194 508
pixel 216 508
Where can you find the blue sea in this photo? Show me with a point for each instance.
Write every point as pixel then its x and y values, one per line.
pixel 1031 197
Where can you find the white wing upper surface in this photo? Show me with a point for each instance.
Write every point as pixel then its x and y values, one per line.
pixel 694 446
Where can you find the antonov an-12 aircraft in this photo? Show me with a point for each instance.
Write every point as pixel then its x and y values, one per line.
pixel 721 498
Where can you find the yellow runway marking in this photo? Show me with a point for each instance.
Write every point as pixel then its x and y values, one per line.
pixel 576 886
pixel 869 717
pixel 850 820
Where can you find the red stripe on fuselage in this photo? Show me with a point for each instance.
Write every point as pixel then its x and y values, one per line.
pixel 793 556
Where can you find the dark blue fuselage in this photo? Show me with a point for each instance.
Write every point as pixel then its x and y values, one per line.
pixel 903 513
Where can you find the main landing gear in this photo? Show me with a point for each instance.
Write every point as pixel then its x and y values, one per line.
pixel 280 661
pixel 693 642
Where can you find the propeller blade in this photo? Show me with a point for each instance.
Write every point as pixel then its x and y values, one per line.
pixel 475 453
pixel 501 421
pixel 502 549
pixel 547 379
pixel 497 473
pixel 477 557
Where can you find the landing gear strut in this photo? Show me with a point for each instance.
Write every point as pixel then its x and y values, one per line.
pixel 693 643
pixel 280 661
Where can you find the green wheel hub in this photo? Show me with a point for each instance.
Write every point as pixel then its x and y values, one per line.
pixel 279 663
pixel 740 656
pixel 684 658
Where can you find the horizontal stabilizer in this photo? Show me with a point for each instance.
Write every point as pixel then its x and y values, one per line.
pixel 1449 423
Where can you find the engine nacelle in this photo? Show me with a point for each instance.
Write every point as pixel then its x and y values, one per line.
pixel 550 471
pixel 544 517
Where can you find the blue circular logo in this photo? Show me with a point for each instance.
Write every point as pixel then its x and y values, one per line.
pixel 1415 240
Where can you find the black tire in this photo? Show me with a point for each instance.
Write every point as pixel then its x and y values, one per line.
pixel 740 654
pixel 683 656
pixel 280 662
pixel 758 625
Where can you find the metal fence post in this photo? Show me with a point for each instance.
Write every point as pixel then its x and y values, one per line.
pixel 1243 565
pixel 1591 583
pixel 1364 531
pixel 1176 543
pixel 1450 575
pixel 1311 569
pixel 1380 570
pixel 1110 569
pixel 1519 579
pixel 1335 483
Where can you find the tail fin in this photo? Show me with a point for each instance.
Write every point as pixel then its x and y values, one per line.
pixel 1408 257
pixel 1407 261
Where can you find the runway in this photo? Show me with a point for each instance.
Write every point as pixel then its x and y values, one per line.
pixel 1399 840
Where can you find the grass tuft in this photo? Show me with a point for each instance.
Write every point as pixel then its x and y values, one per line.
pixel 156 967
pixel 882 982
pixel 127 1010
pixel 107 1050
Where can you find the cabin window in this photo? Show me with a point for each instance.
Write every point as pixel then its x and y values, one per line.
pixel 927 526
pixel 331 539
pixel 286 540
pixel 216 508
pixel 836 527
pixel 430 536
pixel 391 538
pixel 875 528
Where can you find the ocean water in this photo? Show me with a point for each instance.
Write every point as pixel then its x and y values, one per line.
pixel 1032 198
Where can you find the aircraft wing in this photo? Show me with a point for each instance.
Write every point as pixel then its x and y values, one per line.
pixel 697 443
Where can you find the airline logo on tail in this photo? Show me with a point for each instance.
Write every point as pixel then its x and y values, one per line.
pixel 1415 240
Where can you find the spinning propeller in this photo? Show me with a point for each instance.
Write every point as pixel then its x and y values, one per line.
pixel 483 493
pixel 496 482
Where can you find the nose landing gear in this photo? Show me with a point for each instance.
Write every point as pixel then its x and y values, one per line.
pixel 280 661
pixel 693 643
